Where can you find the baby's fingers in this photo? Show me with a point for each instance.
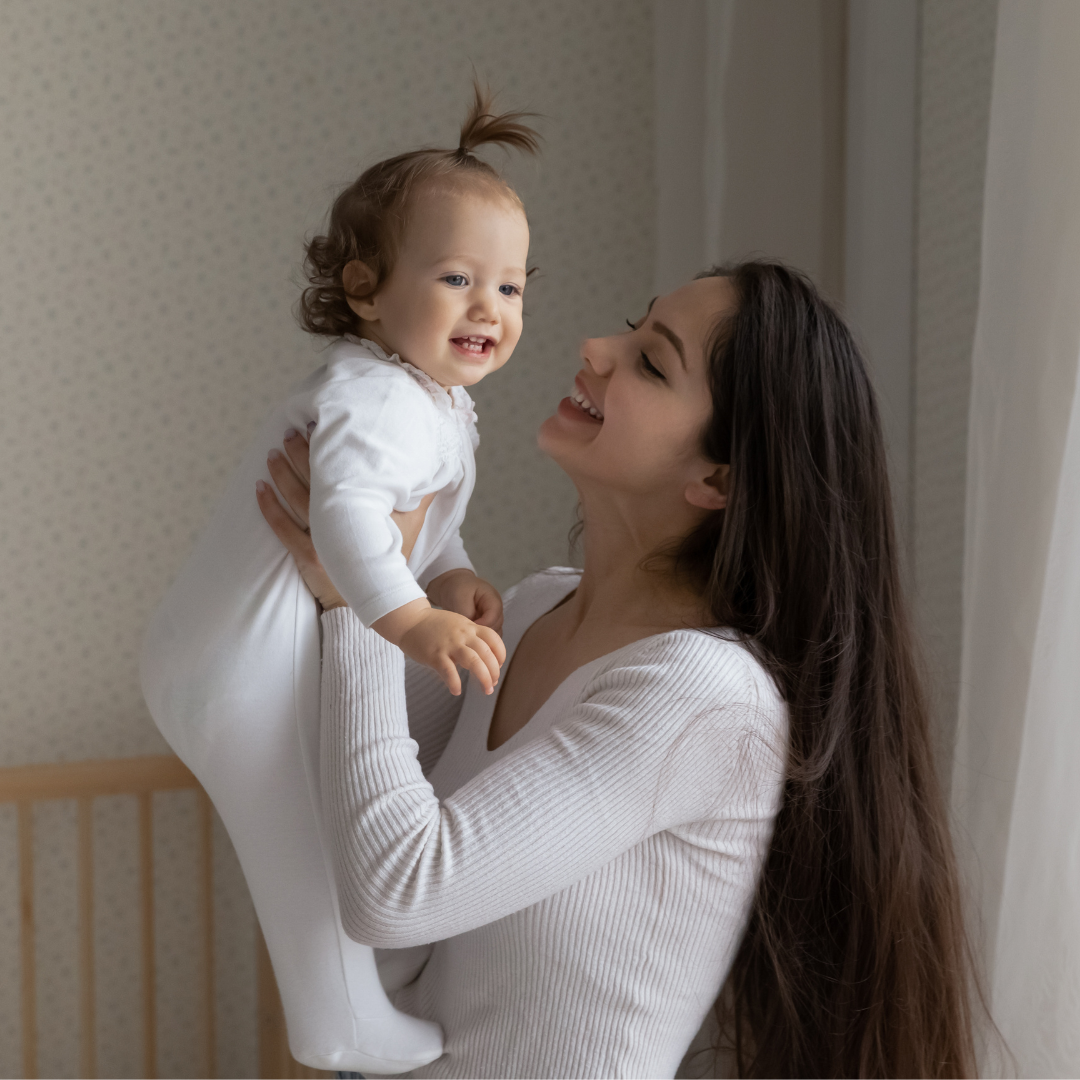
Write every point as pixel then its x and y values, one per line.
pixel 447 670
pixel 495 643
pixel 478 659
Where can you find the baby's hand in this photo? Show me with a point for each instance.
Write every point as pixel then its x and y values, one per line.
pixel 444 640
pixel 462 591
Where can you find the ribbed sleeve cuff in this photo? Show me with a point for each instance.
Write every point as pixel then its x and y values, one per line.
pixel 363 674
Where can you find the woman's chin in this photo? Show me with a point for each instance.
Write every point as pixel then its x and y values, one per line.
pixel 563 429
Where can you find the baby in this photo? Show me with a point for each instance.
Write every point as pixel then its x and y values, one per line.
pixel 419 280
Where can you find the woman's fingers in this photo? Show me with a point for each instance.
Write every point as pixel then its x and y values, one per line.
pixel 296 540
pixel 293 490
pixel 489 609
pixel 296 446
pixel 298 543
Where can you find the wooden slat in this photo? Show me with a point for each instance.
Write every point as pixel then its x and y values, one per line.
pixel 87 1011
pixel 88 779
pixel 146 880
pixel 206 822
pixel 273 1047
pixel 26 919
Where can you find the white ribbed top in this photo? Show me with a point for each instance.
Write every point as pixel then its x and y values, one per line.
pixel 587 883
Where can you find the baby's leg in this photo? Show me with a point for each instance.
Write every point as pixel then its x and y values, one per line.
pixel 237 696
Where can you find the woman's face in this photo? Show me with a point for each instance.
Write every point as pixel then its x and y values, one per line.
pixel 635 417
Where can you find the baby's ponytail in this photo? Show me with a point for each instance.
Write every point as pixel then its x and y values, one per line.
pixel 368 218
pixel 482 126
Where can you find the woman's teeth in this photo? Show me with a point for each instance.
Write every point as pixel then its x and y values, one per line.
pixel 583 402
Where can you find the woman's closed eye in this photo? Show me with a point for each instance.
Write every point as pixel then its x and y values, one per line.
pixel 650 368
pixel 647 365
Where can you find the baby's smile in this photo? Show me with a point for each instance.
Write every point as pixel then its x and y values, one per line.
pixel 474 346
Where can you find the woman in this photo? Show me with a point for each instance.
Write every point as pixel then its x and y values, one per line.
pixel 708 759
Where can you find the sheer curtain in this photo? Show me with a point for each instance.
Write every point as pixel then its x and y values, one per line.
pixel 1016 785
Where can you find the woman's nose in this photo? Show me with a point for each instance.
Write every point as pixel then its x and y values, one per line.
pixel 598 354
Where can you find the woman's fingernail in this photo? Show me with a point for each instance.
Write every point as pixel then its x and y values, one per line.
pixel 273 455
pixel 291 434
pixel 260 486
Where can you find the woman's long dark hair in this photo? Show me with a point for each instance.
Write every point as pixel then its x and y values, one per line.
pixel 855 961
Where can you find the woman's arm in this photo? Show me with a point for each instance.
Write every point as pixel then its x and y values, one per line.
pixel 676 734
pixel 433 713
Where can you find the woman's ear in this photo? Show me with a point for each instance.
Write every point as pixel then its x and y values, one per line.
pixel 711 491
pixel 359 281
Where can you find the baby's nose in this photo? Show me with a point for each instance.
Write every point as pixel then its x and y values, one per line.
pixel 484 310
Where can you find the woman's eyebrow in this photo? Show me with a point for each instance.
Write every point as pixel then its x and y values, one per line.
pixel 674 338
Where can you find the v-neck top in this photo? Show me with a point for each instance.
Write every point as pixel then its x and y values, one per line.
pixel 580 891
pixel 467 752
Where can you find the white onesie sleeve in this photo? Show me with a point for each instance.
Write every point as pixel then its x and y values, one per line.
pixel 452 557
pixel 373 450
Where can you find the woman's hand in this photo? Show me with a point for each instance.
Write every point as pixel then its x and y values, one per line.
pixel 462 591
pixel 292 474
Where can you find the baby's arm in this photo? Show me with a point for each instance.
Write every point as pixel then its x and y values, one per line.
pixel 443 640
pixel 362 468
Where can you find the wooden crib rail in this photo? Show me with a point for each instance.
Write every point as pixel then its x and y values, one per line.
pixel 84 781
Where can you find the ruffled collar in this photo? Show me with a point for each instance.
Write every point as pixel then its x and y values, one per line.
pixel 454 400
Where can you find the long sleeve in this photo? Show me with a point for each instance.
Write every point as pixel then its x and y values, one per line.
pixel 371 452
pixel 453 556
pixel 672 733
pixel 433 712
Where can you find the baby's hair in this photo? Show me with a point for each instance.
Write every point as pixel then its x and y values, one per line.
pixel 368 218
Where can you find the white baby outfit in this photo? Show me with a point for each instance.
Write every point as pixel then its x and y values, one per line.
pixel 230 668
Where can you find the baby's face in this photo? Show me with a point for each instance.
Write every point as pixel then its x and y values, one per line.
pixel 452 304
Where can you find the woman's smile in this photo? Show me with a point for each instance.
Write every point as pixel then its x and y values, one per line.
pixel 579 405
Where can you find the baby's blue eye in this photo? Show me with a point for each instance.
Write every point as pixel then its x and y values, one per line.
pixel 454 279
pixel 509 290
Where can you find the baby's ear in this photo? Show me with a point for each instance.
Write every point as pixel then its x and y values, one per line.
pixel 359 281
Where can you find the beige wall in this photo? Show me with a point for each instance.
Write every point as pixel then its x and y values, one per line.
pixel 783 119
pixel 161 163
pixel 750 135
pixel 956 70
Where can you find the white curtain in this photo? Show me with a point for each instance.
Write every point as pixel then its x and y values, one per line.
pixel 1016 785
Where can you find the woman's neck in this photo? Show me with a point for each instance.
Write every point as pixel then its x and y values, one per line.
pixel 627 580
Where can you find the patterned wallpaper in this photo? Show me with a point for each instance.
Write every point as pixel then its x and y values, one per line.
pixel 161 162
